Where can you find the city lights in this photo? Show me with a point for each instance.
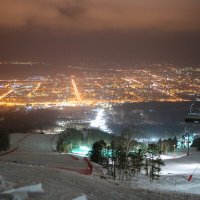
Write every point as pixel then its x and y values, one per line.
pixel 158 84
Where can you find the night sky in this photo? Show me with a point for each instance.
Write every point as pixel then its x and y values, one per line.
pixel 98 31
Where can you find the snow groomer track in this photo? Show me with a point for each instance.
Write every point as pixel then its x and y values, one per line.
pixel 39 150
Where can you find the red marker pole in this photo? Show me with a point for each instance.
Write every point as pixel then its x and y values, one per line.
pixel 190 178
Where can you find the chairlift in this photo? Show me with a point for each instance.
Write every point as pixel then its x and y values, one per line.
pixel 194 114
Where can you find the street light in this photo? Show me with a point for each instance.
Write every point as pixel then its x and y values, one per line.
pixel 174 150
pixel 188 144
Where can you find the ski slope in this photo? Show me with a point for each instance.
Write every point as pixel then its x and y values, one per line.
pixel 175 174
pixel 34 162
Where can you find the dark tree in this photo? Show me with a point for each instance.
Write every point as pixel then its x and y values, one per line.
pixel 168 145
pixel 196 143
pixel 136 160
pixel 111 159
pixel 155 168
pixel 97 152
pixel 4 141
pixel 154 162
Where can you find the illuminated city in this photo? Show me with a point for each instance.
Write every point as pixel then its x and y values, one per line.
pixel 93 87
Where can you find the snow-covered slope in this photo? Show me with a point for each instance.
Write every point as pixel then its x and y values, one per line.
pixel 175 174
pixel 63 185
pixel 34 162
pixel 34 142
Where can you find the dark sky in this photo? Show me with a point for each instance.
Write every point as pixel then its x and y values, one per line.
pixel 121 31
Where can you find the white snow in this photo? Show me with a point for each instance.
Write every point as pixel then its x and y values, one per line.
pixel 81 198
pixel 34 142
pixel 29 166
pixel 99 121
pixel 30 188
pixel 175 174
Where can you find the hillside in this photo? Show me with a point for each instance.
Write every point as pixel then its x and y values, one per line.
pixel 26 166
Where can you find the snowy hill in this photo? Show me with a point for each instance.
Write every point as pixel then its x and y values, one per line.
pixel 175 175
pixel 34 142
pixel 34 162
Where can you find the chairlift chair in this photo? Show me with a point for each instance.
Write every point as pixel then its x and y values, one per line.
pixel 194 115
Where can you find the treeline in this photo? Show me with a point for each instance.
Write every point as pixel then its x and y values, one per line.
pixel 4 140
pixel 196 143
pixel 167 145
pixel 122 162
pixel 122 156
pixel 73 138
